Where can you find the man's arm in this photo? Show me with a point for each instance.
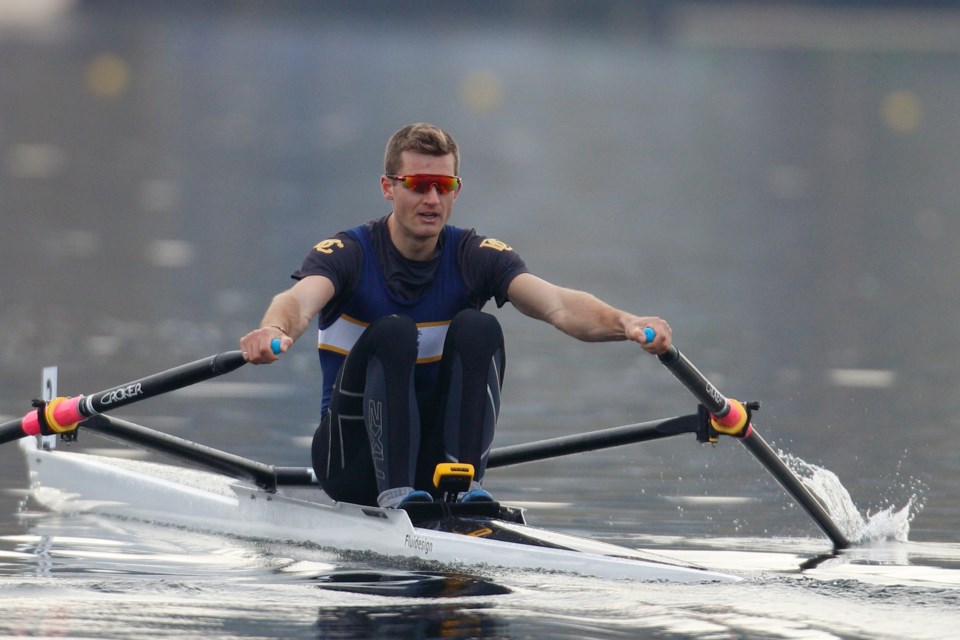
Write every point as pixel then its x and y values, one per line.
pixel 582 315
pixel 287 317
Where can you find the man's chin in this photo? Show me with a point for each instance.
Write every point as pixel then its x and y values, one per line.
pixel 429 226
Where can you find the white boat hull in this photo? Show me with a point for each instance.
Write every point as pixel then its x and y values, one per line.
pixel 75 482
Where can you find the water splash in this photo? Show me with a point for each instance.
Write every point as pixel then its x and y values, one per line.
pixel 889 523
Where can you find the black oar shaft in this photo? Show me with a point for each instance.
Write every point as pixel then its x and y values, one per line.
pixel 718 405
pixel 213 459
pixel 10 431
pixel 164 382
pixel 794 486
pixel 697 383
pixel 69 411
pixel 602 439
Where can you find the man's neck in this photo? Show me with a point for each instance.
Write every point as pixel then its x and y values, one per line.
pixel 411 248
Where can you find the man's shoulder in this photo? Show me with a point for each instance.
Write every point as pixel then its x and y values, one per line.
pixel 342 241
pixel 348 240
pixel 471 241
pixel 488 266
pixel 339 253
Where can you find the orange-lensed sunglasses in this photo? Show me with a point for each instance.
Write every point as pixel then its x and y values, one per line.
pixel 421 182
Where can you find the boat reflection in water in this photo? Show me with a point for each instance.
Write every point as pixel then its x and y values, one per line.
pixel 471 620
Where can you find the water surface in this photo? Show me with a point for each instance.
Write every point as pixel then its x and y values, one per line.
pixel 789 208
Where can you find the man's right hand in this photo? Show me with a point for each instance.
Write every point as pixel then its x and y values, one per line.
pixel 256 345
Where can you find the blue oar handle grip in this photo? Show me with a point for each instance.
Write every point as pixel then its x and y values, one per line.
pixel 649 334
pixel 275 346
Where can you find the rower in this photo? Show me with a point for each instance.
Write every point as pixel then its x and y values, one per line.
pixel 412 366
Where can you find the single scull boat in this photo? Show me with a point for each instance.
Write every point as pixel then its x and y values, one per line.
pixel 454 535
pixel 244 497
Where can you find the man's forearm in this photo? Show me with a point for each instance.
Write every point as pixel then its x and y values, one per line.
pixel 285 313
pixel 586 317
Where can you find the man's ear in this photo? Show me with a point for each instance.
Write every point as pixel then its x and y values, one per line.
pixel 386 186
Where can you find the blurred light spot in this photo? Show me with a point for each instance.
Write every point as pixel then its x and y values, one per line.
pixel 481 91
pixel 788 182
pixel 32 13
pixel 79 243
pixel 102 346
pixel 170 253
pixel 863 378
pixel 35 160
pixel 302 442
pixel 159 195
pixel 902 111
pixel 108 76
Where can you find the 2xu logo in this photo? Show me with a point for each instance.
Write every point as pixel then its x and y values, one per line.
pixel 121 394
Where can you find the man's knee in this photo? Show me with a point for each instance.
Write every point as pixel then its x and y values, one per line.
pixel 393 338
pixel 473 330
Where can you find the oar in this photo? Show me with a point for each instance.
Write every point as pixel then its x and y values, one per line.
pixel 62 414
pixel 592 440
pixel 731 418
pixel 266 476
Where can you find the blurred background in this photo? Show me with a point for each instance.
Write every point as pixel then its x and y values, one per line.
pixel 774 178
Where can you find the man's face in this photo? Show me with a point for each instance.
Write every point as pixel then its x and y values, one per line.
pixel 420 216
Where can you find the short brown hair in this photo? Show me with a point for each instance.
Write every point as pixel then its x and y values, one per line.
pixel 422 138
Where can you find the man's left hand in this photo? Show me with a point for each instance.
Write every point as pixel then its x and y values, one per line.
pixel 663 337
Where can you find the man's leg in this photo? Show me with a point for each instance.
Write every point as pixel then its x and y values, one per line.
pixel 468 395
pixel 341 459
pixel 367 445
